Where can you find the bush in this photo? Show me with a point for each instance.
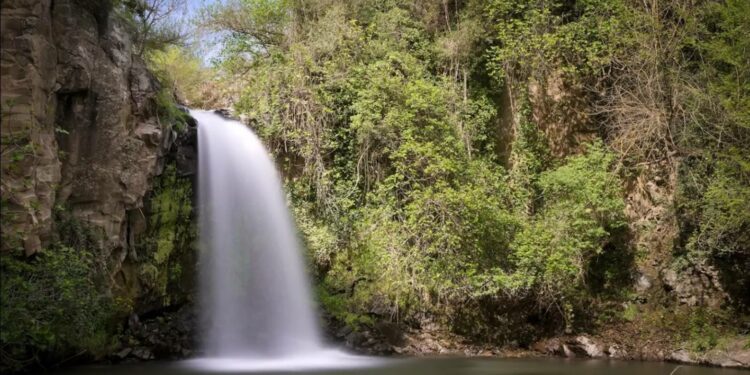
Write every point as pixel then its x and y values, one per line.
pixel 183 75
pixel 713 200
pixel 582 208
pixel 725 220
pixel 51 308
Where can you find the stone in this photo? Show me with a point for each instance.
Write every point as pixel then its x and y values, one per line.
pixel 566 351
pixel 124 353
pixel 614 351
pixel 185 151
pixel 134 322
pixel 681 356
pixel 88 105
pixel 391 332
pixel 143 353
pixel 226 113
pixel 642 284
pixel 584 346
pixel 742 357
pixel 733 353
pixel 551 346
pixel 344 331
pixel 696 286
pixel 354 339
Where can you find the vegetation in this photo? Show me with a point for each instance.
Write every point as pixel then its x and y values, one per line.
pixel 186 79
pixel 52 310
pixel 156 24
pixel 385 114
pixel 63 304
pixel 476 164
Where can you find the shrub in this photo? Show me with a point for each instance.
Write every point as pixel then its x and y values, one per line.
pixel 51 308
pixel 582 207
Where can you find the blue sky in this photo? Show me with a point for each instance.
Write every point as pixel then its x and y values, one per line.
pixel 194 5
pixel 205 42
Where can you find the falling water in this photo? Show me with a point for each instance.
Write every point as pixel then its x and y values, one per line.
pixel 256 309
pixel 255 295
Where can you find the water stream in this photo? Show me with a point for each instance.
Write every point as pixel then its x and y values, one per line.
pixel 255 296
pixel 256 306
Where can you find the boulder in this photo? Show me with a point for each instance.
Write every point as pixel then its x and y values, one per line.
pixel 143 354
pixel 583 346
pixel 124 353
pixel 681 356
pixel 550 346
pixel 355 339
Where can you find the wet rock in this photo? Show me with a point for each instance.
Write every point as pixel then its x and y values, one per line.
pixel 681 356
pixel 355 339
pixel 551 346
pixel 392 333
pixel 344 331
pixel 226 113
pixel 143 354
pixel 586 347
pixel 614 351
pixel 134 322
pixel 732 354
pixel 124 353
pixel 383 349
pixel 185 151
pixel 167 336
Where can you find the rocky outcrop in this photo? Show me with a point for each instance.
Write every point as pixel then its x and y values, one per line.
pixel 578 346
pixel 168 335
pixel 561 111
pixel 732 354
pixel 30 161
pixel 81 134
pixel 85 105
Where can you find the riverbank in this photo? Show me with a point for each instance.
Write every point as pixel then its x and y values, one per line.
pixel 616 343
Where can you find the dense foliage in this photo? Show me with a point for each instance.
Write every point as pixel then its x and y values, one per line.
pixel 52 310
pixel 387 119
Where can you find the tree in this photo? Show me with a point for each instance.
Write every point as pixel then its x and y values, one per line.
pixel 156 25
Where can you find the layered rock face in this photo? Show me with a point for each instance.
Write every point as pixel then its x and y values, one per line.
pixel 30 161
pixel 79 126
pixel 81 135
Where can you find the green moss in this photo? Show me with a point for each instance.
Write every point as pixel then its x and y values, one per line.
pixel 170 234
pixel 630 313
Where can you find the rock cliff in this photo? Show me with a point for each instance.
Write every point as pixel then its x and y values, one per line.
pixel 81 132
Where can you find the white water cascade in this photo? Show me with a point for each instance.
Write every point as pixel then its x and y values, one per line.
pixel 256 306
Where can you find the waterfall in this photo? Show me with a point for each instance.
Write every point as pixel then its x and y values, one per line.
pixel 255 296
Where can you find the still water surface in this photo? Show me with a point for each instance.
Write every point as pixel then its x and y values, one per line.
pixel 440 366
